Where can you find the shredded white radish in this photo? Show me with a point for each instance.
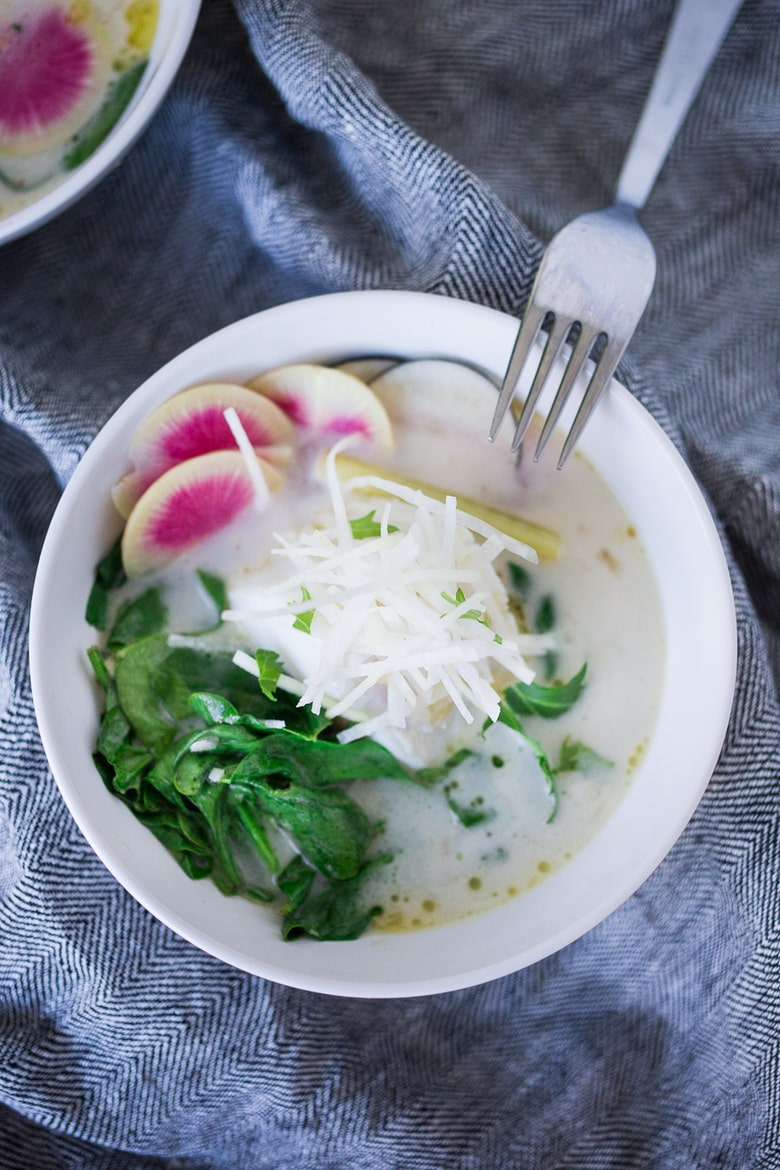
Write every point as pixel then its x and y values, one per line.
pixel 407 622
pixel 244 444
pixel 481 527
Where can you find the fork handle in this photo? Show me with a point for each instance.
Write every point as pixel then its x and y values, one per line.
pixel 696 34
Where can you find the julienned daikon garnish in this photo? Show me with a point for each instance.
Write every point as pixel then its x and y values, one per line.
pixel 409 624
pixel 364 660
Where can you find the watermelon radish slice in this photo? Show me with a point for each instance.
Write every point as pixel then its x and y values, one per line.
pixel 53 72
pixel 192 423
pixel 190 502
pixel 327 400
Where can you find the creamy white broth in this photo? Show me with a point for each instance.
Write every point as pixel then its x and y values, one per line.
pixel 608 615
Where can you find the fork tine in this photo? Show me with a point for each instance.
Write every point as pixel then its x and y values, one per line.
pixel 576 361
pixel 599 379
pixel 526 336
pixel 556 337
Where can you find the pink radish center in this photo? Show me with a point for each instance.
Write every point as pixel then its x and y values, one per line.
pixel 197 510
pixel 345 424
pixel 293 407
pixel 203 430
pixel 45 65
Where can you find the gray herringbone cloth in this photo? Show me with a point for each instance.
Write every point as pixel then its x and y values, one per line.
pixel 310 146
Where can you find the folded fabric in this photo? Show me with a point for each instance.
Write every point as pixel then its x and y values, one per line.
pixel 309 146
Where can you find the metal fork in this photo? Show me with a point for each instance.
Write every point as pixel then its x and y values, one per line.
pixel 598 271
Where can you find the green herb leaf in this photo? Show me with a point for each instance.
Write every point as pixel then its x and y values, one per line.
pixel 549 702
pixel 303 620
pixel 328 827
pixel 213 708
pixel 109 574
pixel 100 125
pixel 113 742
pixel 519 579
pixel 254 829
pixel 546 617
pixel 438 772
pixel 547 772
pixel 320 763
pixel 220 739
pixel 295 882
pixel 140 618
pixel 366 526
pixel 338 912
pixel 270 666
pixel 131 765
pixel 137 678
pixel 475 615
pixel 578 757
pixel 216 590
pixel 508 716
pixel 470 814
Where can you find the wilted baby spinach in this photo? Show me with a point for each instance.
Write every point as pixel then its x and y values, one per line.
pixel 138 618
pixel 471 814
pixel 109 575
pixel 215 590
pixel 220 765
pixel 241 784
pixel 576 756
pixel 337 912
pixel 547 701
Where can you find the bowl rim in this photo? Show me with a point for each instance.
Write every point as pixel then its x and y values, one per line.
pixel 330 975
pixel 168 48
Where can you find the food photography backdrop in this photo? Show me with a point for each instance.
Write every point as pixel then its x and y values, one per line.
pixel 314 146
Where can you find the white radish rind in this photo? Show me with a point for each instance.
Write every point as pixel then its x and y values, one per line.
pixel 428 391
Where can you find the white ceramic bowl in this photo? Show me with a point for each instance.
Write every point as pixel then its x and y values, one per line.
pixel 174 31
pixel 657 491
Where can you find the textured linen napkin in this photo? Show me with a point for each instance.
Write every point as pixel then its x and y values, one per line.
pixel 309 146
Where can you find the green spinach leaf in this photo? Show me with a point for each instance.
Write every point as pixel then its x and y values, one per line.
pixel 576 756
pixel 336 913
pixel 322 764
pixel 329 828
pixel 109 575
pixel 470 814
pixel 138 618
pixel 549 702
